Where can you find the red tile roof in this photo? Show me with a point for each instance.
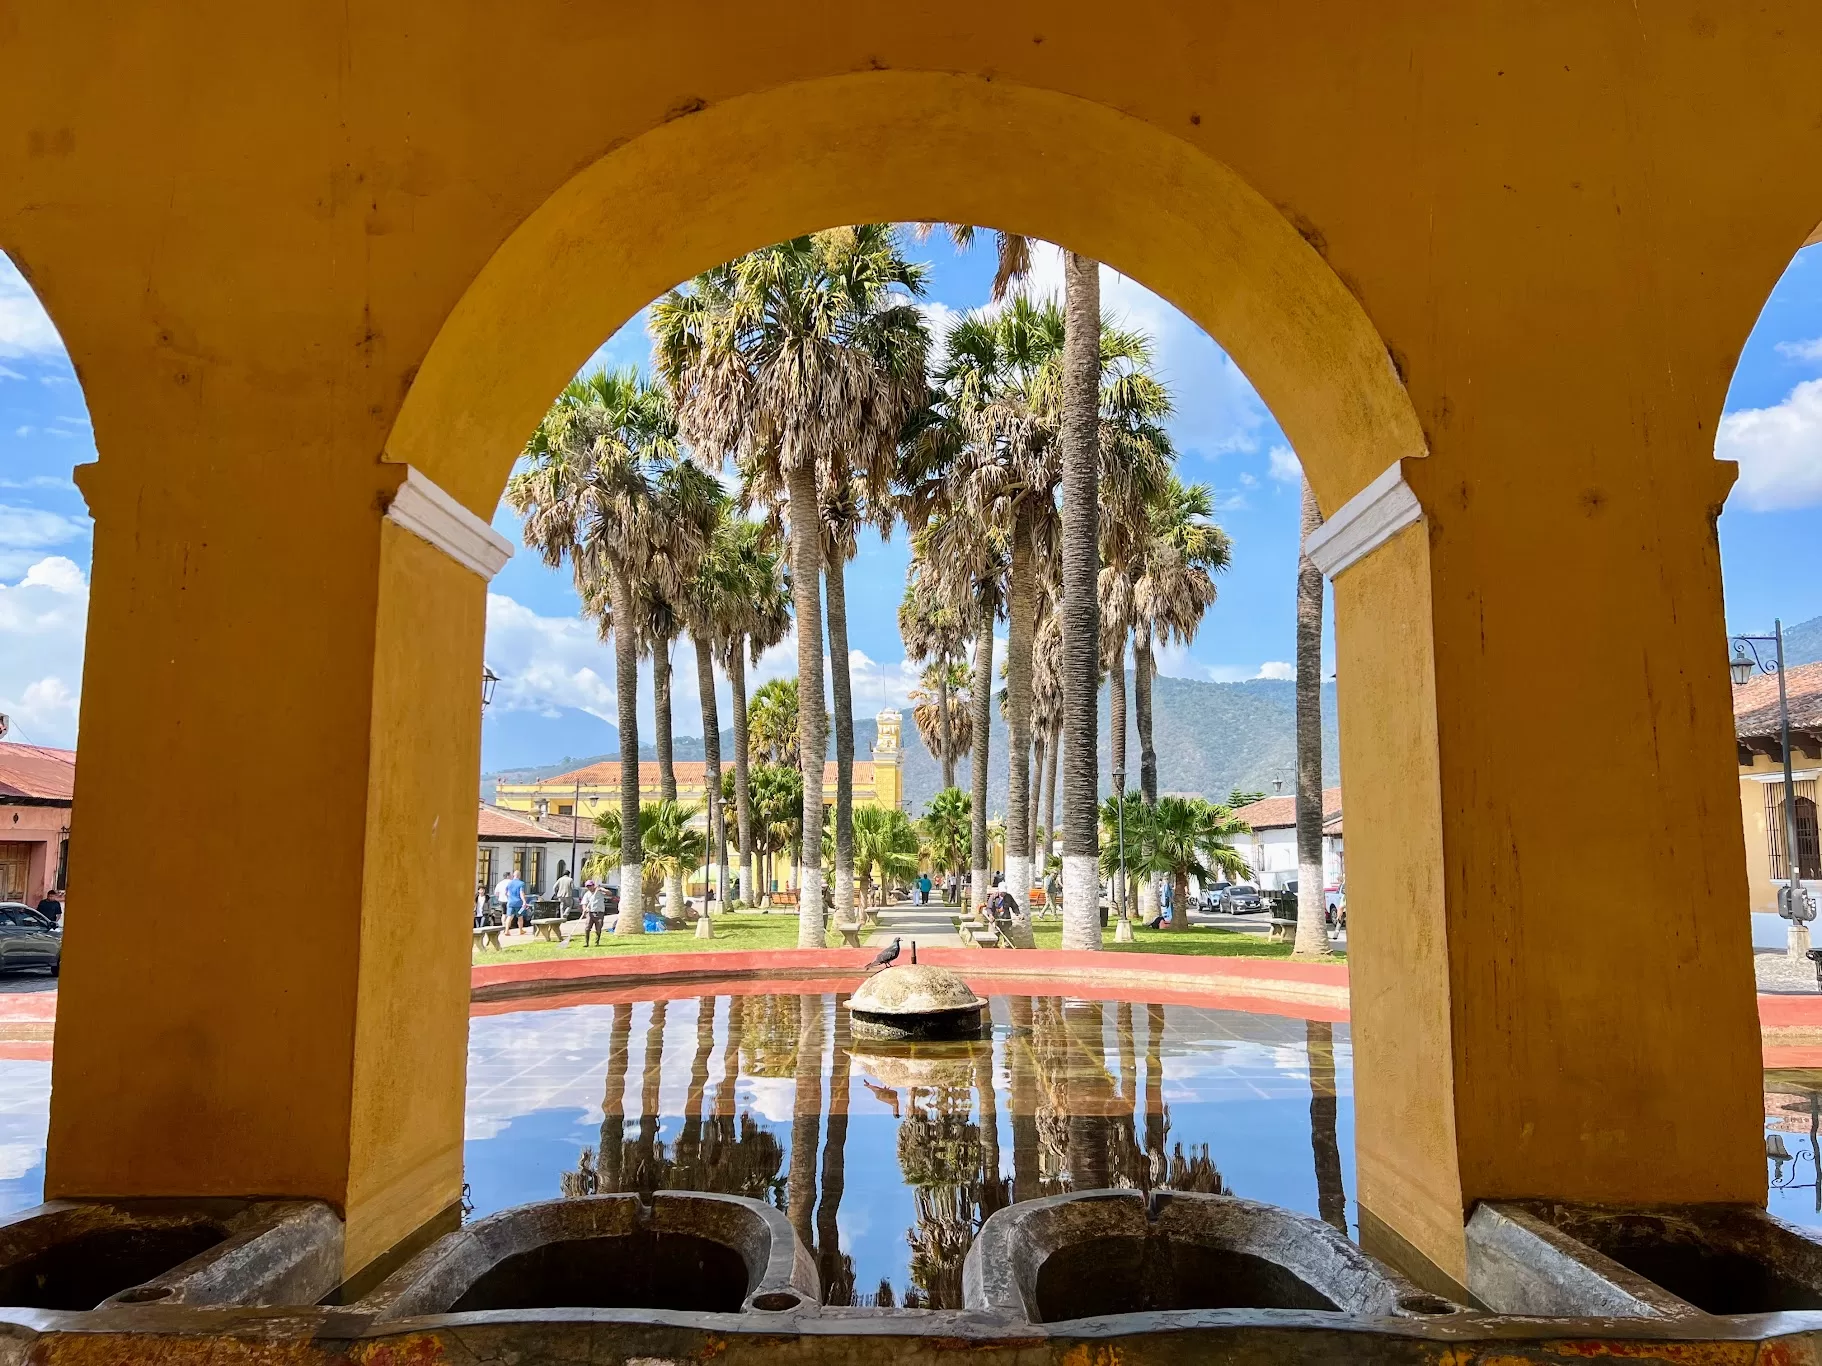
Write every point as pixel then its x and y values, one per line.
pixel 496 823
pixel 689 773
pixel 1755 703
pixel 1280 813
pixel 37 773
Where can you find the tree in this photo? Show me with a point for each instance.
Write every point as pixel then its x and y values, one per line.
pixel 935 631
pixel 669 840
pixel 946 825
pixel 1190 837
pixel 885 848
pixel 772 725
pixel 710 601
pixel 945 720
pixel 777 809
pixel 757 615
pixel 600 488
pixel 1312 927
pixel 803 361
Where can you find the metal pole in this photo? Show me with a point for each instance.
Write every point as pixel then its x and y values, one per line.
pixel 1792 862
pixel 575 815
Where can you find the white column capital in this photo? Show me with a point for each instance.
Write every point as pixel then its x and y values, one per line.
pixel 1364 523
pixel 430 514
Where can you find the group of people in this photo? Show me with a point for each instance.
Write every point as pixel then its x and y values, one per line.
pixel 512 902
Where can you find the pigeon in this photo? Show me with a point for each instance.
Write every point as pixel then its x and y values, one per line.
pixel 886 956
pixel 884 1094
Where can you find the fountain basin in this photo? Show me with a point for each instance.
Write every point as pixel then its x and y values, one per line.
pixel 916 1001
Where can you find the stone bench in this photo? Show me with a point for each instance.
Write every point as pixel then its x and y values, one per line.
pixel 850 933
pixel 548 929
pixel 486 936
pixel 1283 931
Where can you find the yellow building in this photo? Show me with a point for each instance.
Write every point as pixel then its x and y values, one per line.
pixel 1762 796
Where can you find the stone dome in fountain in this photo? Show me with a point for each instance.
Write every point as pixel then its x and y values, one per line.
pixel 916 1001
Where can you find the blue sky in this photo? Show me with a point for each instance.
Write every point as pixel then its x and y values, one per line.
pixel 556 677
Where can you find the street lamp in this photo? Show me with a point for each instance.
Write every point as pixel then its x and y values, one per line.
pixel 489 680
pixel 1794 903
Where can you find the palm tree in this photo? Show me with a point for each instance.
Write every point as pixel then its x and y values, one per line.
pixel 671 843
pixel 1312 929
pixel 885 845
pixel 705 609
pixel 1047 720
pixel 935 631
pixel 601 488
pixel 945 720
pixel 1184 837
pixel 777 810
pixel 758 614
pixel 803 360
pixel 772 726
pixel 1331 1195
pixel 947 823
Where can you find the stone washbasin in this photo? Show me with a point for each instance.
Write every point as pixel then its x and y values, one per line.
pixel 85 1254
pixel 916 1001
pixel 683 1250
pixel 1097 1253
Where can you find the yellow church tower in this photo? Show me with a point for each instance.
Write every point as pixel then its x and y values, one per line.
pixel 888 776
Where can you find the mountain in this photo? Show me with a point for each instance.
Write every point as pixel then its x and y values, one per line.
pixel 1803 642
pixel 1210 737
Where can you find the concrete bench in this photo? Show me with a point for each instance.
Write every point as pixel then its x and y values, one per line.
pixel 850 933
pixel 1283 931
pixel 486 936
pixel 548 929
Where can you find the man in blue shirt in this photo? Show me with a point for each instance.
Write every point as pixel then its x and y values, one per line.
pixel 516 914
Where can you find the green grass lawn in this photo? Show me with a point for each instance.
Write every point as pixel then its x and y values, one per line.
pixel 733 933
pixel 1197 939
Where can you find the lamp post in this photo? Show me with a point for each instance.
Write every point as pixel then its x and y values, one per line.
pixel 1746 659
pixel 489 680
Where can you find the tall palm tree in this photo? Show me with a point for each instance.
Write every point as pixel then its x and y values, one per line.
pixel 945 719
pixel 947 822
pixel 1312 929
pixel 1047 720
pixel 601 487
pixel 772 726
pixel 1331 1195
pixel 709 601
pixel 667 836
pixel 935 631
pixel 803 360
pixel 757 616
pixel 1180 838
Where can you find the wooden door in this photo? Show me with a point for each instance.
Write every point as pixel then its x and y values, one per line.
pixel 15 865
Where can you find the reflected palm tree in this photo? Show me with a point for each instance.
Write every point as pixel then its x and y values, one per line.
pixel 835 1266
pixel 1090 1090
pixel 687 1172
pixel 598 1172
pixel 1157 1122
pixel 940 1154
pixel 806 1113
pixel 1021 1067
pixel 1331 1197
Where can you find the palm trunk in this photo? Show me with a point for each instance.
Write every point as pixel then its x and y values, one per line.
pixel 1021 630
pixel 1312 934
pixel 1050 793
pixel 981 697
pixel 1027 1160
pixel 687 1174
pixel 842 685
pixel 711 779
pixel 993 1189
pixel 812 741
pixel 743 792
pixel 946 730
pixel 1116 741
pixel 1155 1124
pixel 644 1176
pixel 667 769
pixel 1040 745
pixel 806 1114
pixel 609 1164
pixel 1325 1148
pixel 837 1270
pixel 1148 759
pixel 631 919
pixel 1179 913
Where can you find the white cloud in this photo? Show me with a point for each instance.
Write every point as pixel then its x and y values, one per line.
pixel 1802 350
pixel 547 663
pixel 1276 668
pixel 25 328
pixel 24 528
pixel 1248 481
pixel 1286 468
pixel 6 373
pixel 1779 450
pixel 42 620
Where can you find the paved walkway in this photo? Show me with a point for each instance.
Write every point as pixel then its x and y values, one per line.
pixel 930 924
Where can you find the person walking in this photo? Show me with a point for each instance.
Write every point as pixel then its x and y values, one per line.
pixel 565 894
pixel 923 889
pixel 481 903
pixel 518 914
pixel 499 896
pixel 594 912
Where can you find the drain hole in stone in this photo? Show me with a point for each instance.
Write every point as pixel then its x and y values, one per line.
pixel 1133 1275
pixel 777 1301
pixel 83 1271
pixel 1425 1304
pixel 632 1271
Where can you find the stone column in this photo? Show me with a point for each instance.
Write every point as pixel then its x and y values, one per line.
pixel 1551 969
pixel 265 991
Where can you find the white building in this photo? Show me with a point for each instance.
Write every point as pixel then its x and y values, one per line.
pixel 540 849
pixel 1271 849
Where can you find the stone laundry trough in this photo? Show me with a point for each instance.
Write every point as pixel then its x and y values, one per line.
pixel 1097 1253
pixel 1669 1261
pixel 85 1254
pixel 916 1001
pixel 684 1250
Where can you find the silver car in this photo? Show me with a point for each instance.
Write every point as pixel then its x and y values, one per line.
pixel 28 940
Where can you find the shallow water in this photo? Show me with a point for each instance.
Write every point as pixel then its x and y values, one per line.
pixel 890 1164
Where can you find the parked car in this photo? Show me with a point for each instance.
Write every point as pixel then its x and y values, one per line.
pixel 28 940
pixel 1212 896
pixel 1241 898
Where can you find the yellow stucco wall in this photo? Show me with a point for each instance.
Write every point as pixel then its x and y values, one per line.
pixel 292 246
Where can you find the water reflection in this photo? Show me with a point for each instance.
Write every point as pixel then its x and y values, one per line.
pixel 1078 1094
